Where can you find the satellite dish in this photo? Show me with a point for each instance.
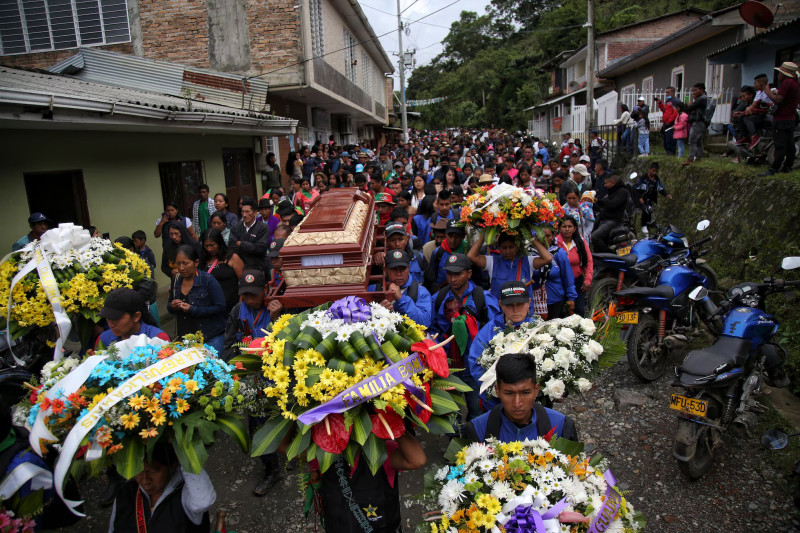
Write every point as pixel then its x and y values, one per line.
pixel 573 85
pixel 756 14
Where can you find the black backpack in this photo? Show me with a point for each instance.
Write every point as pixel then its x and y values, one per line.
pixel 543 427
pixel 413 291
pixel 481 313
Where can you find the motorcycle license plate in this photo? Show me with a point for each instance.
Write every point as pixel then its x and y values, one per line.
pixel 689 406
pixel 624 251
pixel 628 317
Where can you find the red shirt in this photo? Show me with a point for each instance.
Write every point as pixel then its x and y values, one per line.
pixel 669 113
pixel 575 260
pixel 791 94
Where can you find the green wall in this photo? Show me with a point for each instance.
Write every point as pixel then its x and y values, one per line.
pixel 120 172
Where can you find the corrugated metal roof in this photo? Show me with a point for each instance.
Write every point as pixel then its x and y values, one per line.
pixel 140 73
pixel 755 37
pixel 67 86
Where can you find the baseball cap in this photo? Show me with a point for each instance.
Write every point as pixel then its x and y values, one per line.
pixel 359 168
pixel 565 161
pixel 275 247
pixel 570 141
pixel 513 292
pixel 585 158
pixel 397 164
pixel 120 302
pixel 580 169
pixel 485 178
pixel 252 281
pixel 457 263
pixel 345 154
pixel 453 227
pixel 383 197
pixel 363 154
pixel 395 258
pixel 395 227
pixel 37 217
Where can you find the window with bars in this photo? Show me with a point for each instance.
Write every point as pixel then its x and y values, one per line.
pixel 41 25
pixel 366 72
pixel 378 93
pixel 350 61
pixel 317 40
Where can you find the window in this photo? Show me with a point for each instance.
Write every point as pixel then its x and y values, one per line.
pixel 627 95
pixel 179 182
pixel 271 145
pixel 350 57
pixel 676 79
pixel 65 200
pixel 713 78
pixel 240 172
pixel 647 88
pixel 41 25
pixel 379 92
pixel 317 40
pixel 366 72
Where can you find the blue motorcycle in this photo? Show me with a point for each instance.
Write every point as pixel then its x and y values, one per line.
pixel 721 382
pixel 639 265
pixel 663 317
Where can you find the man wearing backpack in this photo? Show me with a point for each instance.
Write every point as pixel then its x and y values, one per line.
pixel 435 274
pixel 397 238
pixel 461 308
pixel 411 298
pixel 697 121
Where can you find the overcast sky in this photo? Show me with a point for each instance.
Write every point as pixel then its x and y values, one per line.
pixel 424 36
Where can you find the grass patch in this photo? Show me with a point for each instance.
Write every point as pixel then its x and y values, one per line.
pixel 781 460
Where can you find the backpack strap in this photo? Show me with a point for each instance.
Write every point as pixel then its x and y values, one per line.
pixel 440 296
pixel 413 291
pixel 480 305
pixel 493 423
pixel 432 271
pixel 543 426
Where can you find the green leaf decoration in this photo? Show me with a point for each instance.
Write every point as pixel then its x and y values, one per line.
pixel 451 381
pixel 350 452
pixel 30 505
pixel 440 425
pixel 608 335
pixel 513 223
pixel 567 447
pixel 236 427
pixel 442 402
pixel 328 347
pixel 417 421
pixel 456 445
pixel 362 426
pixel 311 452
pixel 96 467
pixel 269 436
pixel 192 453
pixel 77 468
pixel 206 431
pixel 325 459
pixel 459 399
pixel 130 459
pixel 251 363
pixel 374 451
pixel 491 235
pixel 298 445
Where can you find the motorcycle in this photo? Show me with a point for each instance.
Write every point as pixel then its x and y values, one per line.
pixel 721 382
pixel 663 317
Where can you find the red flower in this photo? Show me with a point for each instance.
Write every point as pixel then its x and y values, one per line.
pixel 57 406
pixel 389 418
pixel 247 340
pixel 424 414
pixel 165 352
pixel 45 404
pixel 436 359
pixel 34 396
pixel 238 365
pixel 256 343
pixel 332 436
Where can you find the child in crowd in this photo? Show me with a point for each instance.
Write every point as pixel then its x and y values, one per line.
pixel 140 246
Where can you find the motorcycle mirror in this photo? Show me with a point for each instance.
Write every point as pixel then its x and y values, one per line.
pixel 633 175
pixel 790 263
pixel 775 439
pixel 702 225
pixel 698 294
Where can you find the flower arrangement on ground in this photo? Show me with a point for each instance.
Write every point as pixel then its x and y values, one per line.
pixel 511 210
pixel 10 523
pixel 115 404
pixel 565 351
pixel 345 377
pixel 84 270
pixel 545 485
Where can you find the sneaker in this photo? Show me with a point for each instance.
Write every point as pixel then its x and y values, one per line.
pixel 753 141
pixel 267 483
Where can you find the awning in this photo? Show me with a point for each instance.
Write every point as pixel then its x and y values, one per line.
pixel 779 36
pixel 556 100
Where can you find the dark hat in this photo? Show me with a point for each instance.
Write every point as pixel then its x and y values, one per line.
pixel 457 263
pixel 264 203
pixel 513 292
pixel 363 154
pixel 453 227
pixel 275 247
pixel 440 224
pixel 252 282
pixel 120 302
pixel 37 217
pixel 395 227
pixel 396 258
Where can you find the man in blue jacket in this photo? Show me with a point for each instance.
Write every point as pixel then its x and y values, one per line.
pixel 519 417
pixel 411 298
pixel 461 308
pixel 516 306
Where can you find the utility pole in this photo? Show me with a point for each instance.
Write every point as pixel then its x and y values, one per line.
pixel 402 65
pixel 590 68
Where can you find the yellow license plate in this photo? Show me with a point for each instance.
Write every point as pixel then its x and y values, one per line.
pixel 624 251
pixel 628 317
pixel 689 406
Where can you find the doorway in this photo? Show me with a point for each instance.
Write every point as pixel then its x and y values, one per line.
pixel 59 195
pixel 240 175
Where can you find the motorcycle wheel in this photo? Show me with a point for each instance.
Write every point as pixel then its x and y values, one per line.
pixel 647 360
pixel 708 272
pixel 699 464
pixel 600 297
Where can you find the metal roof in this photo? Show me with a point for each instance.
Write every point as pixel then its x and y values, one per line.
pixel 117 105
pixel 140 73
pixel 763 34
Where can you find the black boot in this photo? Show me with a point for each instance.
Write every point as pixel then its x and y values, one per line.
pixel 272 474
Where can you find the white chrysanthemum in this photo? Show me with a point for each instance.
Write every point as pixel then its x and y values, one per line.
pixel 615 527
pixel 488 479
pixel 502 490
pixel 574 491
pixel 475 452
pixel 441 474
pixel 486 465
pixel 451 495
pixel 554 388
pixel 471 477
pixel 584 384
pixel 494 209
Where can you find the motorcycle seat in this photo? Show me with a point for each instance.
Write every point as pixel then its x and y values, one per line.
pixel 661 291
pixel 724 354
pixel 629 259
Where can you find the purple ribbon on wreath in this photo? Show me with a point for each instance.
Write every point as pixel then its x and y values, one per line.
pixel 526 520
pixel 408 383
pixel 351 309
pixel 610 507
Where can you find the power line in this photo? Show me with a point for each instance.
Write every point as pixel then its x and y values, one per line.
pixel 346 47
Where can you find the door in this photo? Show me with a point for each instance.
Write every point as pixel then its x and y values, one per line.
pixel 239 175
pixel 59 195
pixel 179 183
